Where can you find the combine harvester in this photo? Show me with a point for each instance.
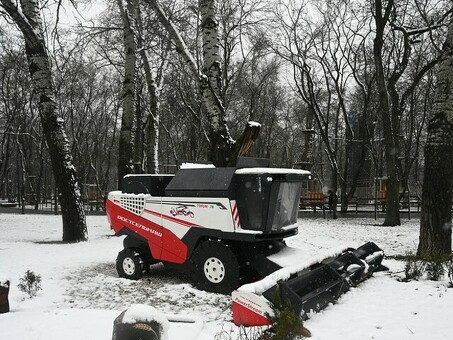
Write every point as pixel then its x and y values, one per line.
pixel 226 227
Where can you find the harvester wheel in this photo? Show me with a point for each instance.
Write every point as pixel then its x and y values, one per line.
pixel 129 264
pixel 216 268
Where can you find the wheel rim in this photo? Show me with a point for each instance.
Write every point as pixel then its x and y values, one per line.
pixel 128 266
pixel 214 270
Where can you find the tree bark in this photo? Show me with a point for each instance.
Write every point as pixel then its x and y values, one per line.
pixel 224 150
pixel 392 213
pixel 127 131
pixel 28 19
pixel 435 222
pixel 154 84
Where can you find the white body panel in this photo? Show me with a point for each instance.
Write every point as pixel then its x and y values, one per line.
pixel 179 214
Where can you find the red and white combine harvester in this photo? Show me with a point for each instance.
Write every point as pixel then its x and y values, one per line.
pixel 226 227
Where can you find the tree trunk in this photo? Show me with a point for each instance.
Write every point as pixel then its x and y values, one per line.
pixel 435 221
pixel 28 20
pixel 152 130
pixel 153 119
pixel 222 145
pixel 223 150
pixel 127 131
pixel 392 215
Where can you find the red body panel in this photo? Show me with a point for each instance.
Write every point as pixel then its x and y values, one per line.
pixel 247 317
pixel 164 245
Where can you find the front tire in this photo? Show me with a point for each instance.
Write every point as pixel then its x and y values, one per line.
pixel 216 268
pixel 129 264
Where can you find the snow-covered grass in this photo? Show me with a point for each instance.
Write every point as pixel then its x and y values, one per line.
pixel 81 293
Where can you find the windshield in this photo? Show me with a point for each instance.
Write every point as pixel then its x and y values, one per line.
pixel 286 208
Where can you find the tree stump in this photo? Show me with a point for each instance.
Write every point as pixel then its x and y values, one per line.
pixel 4 291
pixel 140 322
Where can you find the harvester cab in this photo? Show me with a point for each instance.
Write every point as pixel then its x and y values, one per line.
pixel 224 226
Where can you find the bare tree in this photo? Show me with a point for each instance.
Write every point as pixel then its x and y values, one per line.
pixel 154 67
pixel 223 148
pixel 321 73
pixel 128 119
pixel 27 17
pixel 435 221
pixel 395 37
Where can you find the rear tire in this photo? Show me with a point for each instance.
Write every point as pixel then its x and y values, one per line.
pixel 129 264
pixel 215 268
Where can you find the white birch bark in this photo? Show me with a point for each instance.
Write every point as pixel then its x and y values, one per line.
pixel 127 131
pixel 154 84
pixel 212 66
pixel 224 149
pixel 27 17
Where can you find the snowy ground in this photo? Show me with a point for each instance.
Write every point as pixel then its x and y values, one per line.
pixel 82 293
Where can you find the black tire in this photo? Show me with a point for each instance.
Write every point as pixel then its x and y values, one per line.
pixel 129 264
pixel 215 268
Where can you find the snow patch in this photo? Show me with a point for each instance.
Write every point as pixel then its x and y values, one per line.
pixel 259 171
pixel 80 283
pixel 254 124
pixel 196 166
pixel 4 281
pixel 144 313
pixel 375 255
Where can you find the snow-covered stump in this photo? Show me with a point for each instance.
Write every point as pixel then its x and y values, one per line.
pixel 140 322
pixel 4 291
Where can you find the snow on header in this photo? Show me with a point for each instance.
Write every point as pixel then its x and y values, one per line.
pixel 259 287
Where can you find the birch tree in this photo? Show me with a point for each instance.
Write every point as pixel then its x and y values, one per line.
pixel 26 15
pixel 436 216
pixel 223 148
pixel 127 131
pixel 154 67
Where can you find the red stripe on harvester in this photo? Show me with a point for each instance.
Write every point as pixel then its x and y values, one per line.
pixel 235 213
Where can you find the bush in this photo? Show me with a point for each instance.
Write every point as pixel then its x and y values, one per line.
pixel 414 268
pixel 435 270
pixel 30 283
pixel 286 324
pixel 245 333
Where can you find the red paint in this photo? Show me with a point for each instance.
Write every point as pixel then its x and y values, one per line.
pixel 172 250
pixel 246 317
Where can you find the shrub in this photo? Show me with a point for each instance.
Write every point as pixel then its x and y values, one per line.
pixel 30 283
pixel 286 324
pixel 414 268
pixel 245 333
pixel 435 270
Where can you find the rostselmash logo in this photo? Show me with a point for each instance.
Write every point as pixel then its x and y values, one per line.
pixel 139 226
